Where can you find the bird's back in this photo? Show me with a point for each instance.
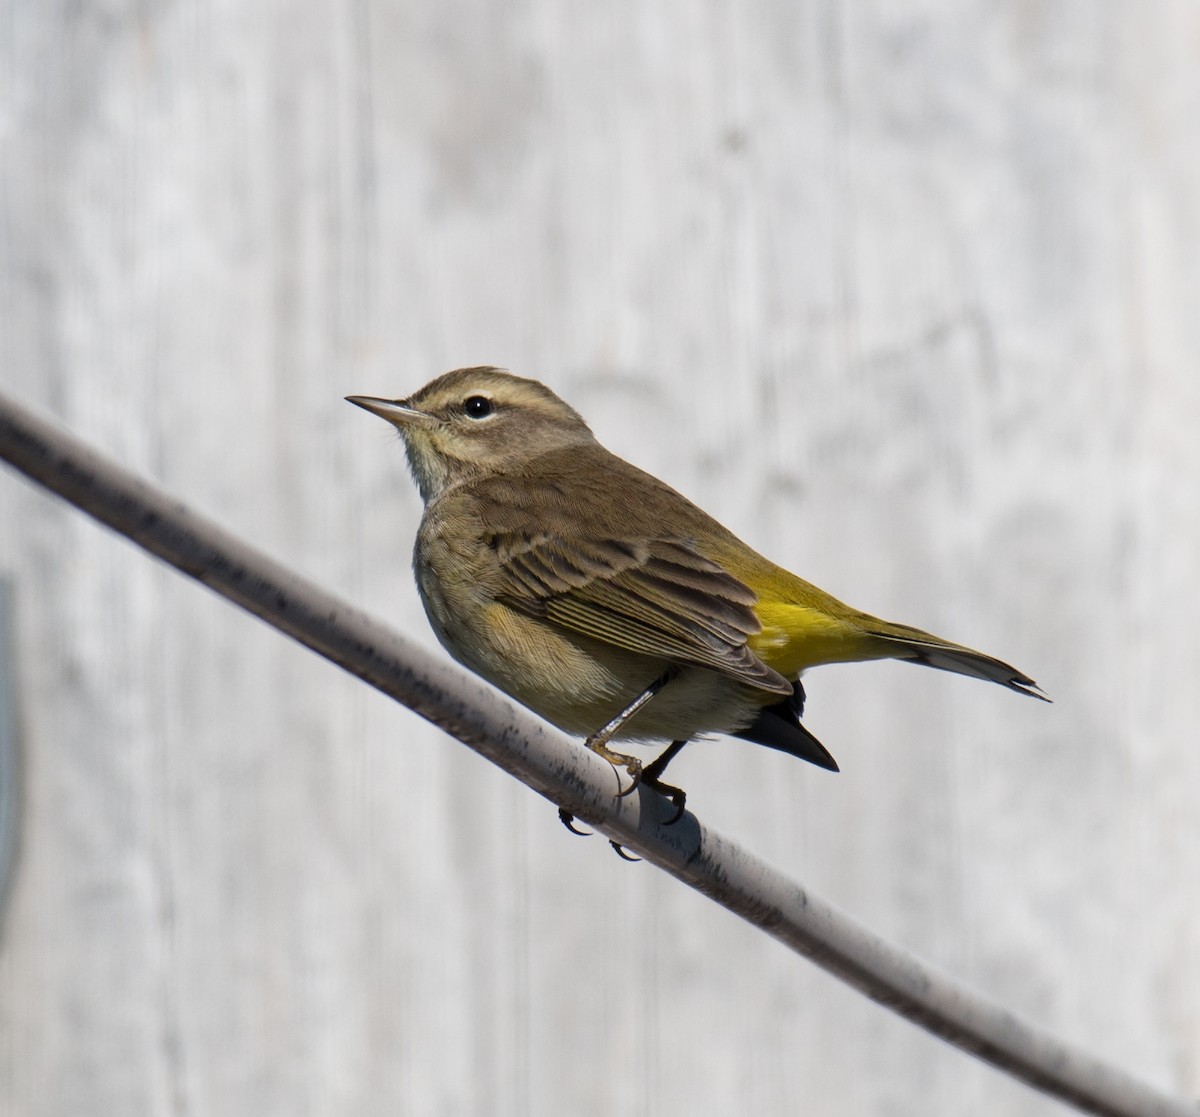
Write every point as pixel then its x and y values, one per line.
pixel 802 626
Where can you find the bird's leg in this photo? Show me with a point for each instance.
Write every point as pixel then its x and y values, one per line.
pixel 598 743
pixel 652 777
pixel 654 771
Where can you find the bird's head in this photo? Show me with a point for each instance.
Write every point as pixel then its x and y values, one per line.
pixel 477 421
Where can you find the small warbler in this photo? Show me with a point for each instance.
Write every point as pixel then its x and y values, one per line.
pixel 605 601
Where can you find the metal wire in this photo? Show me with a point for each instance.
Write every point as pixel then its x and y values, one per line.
pixel 569 775
pixel 10 799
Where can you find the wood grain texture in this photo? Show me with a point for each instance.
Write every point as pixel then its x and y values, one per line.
pixel 904 295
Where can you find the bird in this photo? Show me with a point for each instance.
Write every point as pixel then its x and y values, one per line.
pixel 608 603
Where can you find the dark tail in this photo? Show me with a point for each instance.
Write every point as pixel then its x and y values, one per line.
pixel 778 727
pixel 920 647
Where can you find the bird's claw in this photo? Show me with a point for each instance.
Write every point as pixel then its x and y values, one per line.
pixel 568 820
pixel 634 768
pixel 679 810
pixel 677 796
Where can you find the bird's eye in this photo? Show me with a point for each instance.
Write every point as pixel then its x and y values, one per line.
pixel 477 407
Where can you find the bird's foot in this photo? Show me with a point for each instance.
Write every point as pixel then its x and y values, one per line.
pixel 652 777
pixel 618 760
pixel 677 795
pixel 568 820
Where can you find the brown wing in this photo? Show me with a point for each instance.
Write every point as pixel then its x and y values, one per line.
pixel 658 597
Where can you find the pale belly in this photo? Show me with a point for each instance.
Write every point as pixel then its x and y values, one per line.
pixel 575 682
pixel 580 684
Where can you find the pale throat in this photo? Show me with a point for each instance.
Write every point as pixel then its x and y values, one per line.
pixel 430 469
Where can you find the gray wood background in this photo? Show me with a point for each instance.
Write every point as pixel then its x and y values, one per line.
pixel 907 294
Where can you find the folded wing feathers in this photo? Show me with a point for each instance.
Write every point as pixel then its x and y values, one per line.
pixel 656 597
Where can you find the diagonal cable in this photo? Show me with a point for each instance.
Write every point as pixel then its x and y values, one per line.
pixel 567 774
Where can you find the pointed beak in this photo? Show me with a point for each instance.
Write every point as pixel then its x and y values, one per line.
pixel 395 411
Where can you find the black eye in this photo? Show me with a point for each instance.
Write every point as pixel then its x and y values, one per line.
pixel 477 407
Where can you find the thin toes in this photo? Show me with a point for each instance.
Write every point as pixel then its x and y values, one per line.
pixel 634 779
pixel 620 852
pixel 677 796
pixel 568 820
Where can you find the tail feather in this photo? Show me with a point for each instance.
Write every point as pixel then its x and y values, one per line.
pixel 920 647
pixel 778 727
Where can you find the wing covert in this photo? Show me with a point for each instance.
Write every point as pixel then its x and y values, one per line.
pixel 657 597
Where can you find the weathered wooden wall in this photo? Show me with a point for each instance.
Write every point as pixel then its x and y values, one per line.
pixel 905 293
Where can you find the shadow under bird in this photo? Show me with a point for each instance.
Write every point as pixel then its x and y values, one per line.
pixel 605 601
